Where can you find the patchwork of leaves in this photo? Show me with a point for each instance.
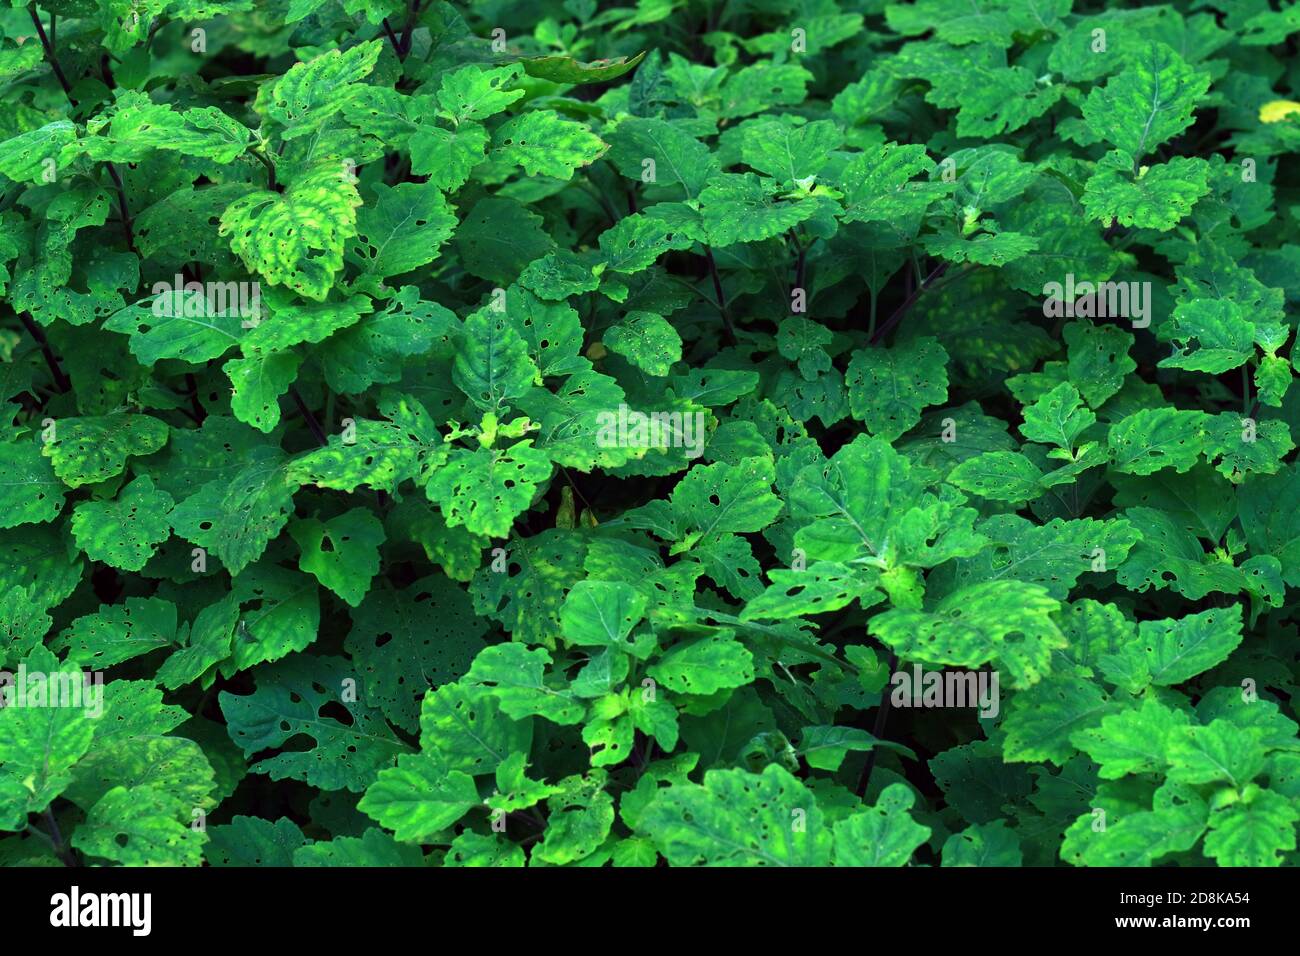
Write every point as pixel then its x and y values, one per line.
pixel 556 452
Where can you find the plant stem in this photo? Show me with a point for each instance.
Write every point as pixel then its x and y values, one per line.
pixel 270 168
pixel 910 301
pixel 61 850
pixel 402 45
pixel 122 206
pixel 799 261
pixel 154 27
pixel 48 47
pixel 308 417
pixel 409 27
pixel 577 491
pixel 53 60
pixel 877 731
pixel 722 298
pixel 392 38
pixel 61 380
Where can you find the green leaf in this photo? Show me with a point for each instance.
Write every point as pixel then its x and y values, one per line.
pixel 341 553
pixel 210 644
pixel 514 790
pixel 958 23
pixel 999 476
pixel 705 665
pixel 1133 741
pixel 119 632
pixel 1098 359
pixel 602 613
pixel 746 208
pixel 790 153
pixel 1224 338
pixel 1149 102
pixel 134 126
pixel 1177 649
pixel 1271 525
pixel 402 230
pixel 284 619
pixel 373 848
pixel 822 587
pixel 760 85
pixel 27 156
pixel 31 492
pixel 296 238
pixel 636 241
pixel 888 388
pixel 544 143
pixel 378 349
pixel 494 365
pixel 1218 753
pixel 176 324
pixel 89 450
pixel 464 729
pixel 406 642
pixel 1149 197
pixel 42 740
pixel 884 835
pixel 1174 824
pixel 417 798
pixel 718 499
pixel 475 849
pixel 1009 622
pixel 287 702
pixel 252 841
pixel 580 818
pixel 310 93
pixel 1171 556
pixel 675 157
pixel 989 844
pixel 258 382
pixel 140 826
pixel 1156 438
pixel 1041 720
pixel 826 747
pixel 124 533
pixel 646 340
pixel 236 518
pixel 515 676
pixel 1057 418
pixel 1238 446
pixel 565 69
pixel 1252 832
pixel 738 818
pixel 486 489
pixel 473 93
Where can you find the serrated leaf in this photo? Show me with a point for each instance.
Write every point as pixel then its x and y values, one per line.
pixel 123 533
pixel 342 553
pixel 91 449
pixel 296 238
pixel 888 388
pixel 738 818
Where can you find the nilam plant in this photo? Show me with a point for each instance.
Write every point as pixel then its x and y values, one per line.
pixel 355 355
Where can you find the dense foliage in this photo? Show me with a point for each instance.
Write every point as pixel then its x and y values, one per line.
pixel 556 433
